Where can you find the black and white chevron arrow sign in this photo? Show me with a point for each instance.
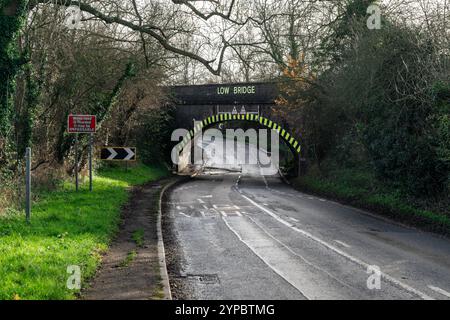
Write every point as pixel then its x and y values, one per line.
pixel 118 153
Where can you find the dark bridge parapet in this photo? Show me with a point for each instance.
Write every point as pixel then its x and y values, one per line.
pixel 259 93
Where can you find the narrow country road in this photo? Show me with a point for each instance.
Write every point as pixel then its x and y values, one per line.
pixel 246 236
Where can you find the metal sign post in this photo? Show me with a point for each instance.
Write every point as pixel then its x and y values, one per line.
pixel 82 123
pixel 76 162
pixel 28 184
pixel 91 141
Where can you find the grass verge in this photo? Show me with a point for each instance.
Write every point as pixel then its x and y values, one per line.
pixel 66 229
pixel 361 189
pixel 138 237
pixel 129 259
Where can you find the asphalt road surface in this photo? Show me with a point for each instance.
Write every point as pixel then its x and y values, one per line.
pixel 248 236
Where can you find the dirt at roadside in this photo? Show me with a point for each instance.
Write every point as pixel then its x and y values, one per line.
pixel 130 269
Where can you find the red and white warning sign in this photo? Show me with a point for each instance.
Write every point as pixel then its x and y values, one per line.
pixel 81 123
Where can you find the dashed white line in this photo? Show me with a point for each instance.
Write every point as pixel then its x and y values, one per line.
pixel 339 251
pixel 439 290
pixel 292 219
pixel 200 200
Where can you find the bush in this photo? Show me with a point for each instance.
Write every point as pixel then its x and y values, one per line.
pixel 384 104
pixel 154 134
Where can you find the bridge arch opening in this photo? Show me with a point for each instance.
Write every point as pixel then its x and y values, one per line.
pixel 211 121
pixel 223 105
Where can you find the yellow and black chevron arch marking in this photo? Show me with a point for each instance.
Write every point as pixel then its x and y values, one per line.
pixel 290 140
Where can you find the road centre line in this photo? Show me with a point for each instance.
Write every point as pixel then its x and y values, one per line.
pixel 299 255
pixel 337 250
pixel 262 259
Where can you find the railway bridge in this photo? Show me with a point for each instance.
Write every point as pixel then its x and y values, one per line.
pixel 230 104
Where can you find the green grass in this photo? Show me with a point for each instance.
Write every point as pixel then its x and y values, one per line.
pixel 361 189
pixel 67 228
pixel 138 237
pixel 129 259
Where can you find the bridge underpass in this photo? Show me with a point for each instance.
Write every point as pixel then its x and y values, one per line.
pixel 237 106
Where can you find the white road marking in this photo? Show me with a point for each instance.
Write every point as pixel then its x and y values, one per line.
pixel 342 243
pixel 184 214
pixel 299 255
pixel 292 219
pixel 205 206
pixel 200 200
pixel 225 207
pixel 231 214
pixel 275 269
pixel 439 290
pixel 180 208
pixel 339 251
pixel 185 188
pixel 323 200
pixel 311 198
pixel 208 196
